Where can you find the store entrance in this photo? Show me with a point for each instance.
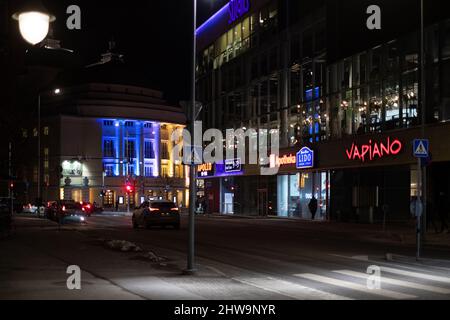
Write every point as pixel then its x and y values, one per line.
pixel 262 205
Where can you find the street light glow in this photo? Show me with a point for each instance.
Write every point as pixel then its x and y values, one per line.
pixel 33 25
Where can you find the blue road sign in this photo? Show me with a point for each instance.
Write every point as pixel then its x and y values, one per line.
pixel 421 148
pixel 305 158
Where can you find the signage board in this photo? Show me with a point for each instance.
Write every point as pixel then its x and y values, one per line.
pixel 305 158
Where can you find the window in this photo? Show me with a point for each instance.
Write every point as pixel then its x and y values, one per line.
pixel 148 125
pixel 165 151
pixel 46 131
pixel 109 170
pixel 165 172
pixel 108 123
pixel 148 171
pixel 130 149
pixel 35 132
pixel 24 133
pixel 129 124
pixel 108 148
pixel 149 152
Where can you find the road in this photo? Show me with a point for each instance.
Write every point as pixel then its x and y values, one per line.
pixel 237 258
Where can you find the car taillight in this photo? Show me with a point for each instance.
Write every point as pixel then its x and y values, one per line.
pixel 154 209
pixel 83 209
pixel 174 209
pixel 64 208
pixel 88 206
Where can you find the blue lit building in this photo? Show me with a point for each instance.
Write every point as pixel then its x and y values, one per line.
pixel 103 130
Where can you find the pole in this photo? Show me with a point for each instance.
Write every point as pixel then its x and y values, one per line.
pixel 423 172
pixel 39 151
pixel 11 192
pixel 192 181
pixel 419 210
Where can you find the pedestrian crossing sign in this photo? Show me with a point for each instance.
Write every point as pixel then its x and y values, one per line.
pixel 421 148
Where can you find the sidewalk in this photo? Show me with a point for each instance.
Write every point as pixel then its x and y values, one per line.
pixel 395 233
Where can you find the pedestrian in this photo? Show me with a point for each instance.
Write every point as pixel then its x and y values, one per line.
pixel 442 211
pixel 313 206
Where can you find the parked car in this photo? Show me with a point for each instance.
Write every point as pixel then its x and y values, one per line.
pixel 63 209
pixel 30 208
pixel 156 213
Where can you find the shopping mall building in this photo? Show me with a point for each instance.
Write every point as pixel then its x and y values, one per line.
pixel 345 102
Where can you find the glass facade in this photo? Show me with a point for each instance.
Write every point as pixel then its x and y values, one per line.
pixel 295 191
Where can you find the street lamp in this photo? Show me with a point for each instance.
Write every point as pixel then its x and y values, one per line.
pixel 34 21
pixel 192 179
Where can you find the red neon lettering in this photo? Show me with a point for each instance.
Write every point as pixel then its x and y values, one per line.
pixel 376 151
pixel 373 150
pixel 399 147
pixel 350 152
pixel 365 149
pixel 385 150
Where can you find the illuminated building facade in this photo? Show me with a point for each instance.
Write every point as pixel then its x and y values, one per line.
pixel 310 72
pixel 107 143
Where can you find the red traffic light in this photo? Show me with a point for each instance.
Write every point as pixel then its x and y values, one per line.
pixel 129 188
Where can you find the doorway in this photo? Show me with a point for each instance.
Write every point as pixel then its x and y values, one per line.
pixel 262 203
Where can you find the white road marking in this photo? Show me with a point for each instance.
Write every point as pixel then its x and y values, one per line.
pixel 416 275
pixel 289 289
pixel 396 282
pixel 357 287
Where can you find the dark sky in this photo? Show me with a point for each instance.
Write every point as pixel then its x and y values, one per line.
pixel 154 36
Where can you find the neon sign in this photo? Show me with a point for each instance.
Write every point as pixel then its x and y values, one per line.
pixel 305 158
pixel 276 161
pixel 205 170
pixel 373 150
pixel 237 9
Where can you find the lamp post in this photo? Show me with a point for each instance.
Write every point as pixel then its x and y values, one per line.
pixel 192 180
pixel 34 23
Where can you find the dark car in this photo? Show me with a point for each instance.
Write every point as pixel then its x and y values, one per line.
pixel 156 213
pixel 64 209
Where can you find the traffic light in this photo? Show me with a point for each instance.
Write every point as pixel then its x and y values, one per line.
pixel 129 188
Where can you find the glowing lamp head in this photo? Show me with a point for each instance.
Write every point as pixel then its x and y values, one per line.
pixel 34 22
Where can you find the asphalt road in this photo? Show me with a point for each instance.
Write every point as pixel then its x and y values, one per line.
pixel 237 258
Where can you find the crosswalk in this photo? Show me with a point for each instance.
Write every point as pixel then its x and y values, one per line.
pixel 395 283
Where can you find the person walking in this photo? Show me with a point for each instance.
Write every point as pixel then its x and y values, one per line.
pixel 313 206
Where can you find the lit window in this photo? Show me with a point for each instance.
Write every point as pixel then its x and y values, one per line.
pixel 148 171
pixel 24 133
pixel 46 131
pixel 149 152
pixel 35 132
pixel 165 151
pixel 109 170
pixel 108 148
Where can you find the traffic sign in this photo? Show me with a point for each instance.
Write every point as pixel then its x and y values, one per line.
pixel 421 148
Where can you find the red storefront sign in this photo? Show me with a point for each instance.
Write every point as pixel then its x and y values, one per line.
pixel 374 150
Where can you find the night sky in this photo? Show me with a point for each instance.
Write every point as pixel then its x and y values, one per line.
pixel 154 36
